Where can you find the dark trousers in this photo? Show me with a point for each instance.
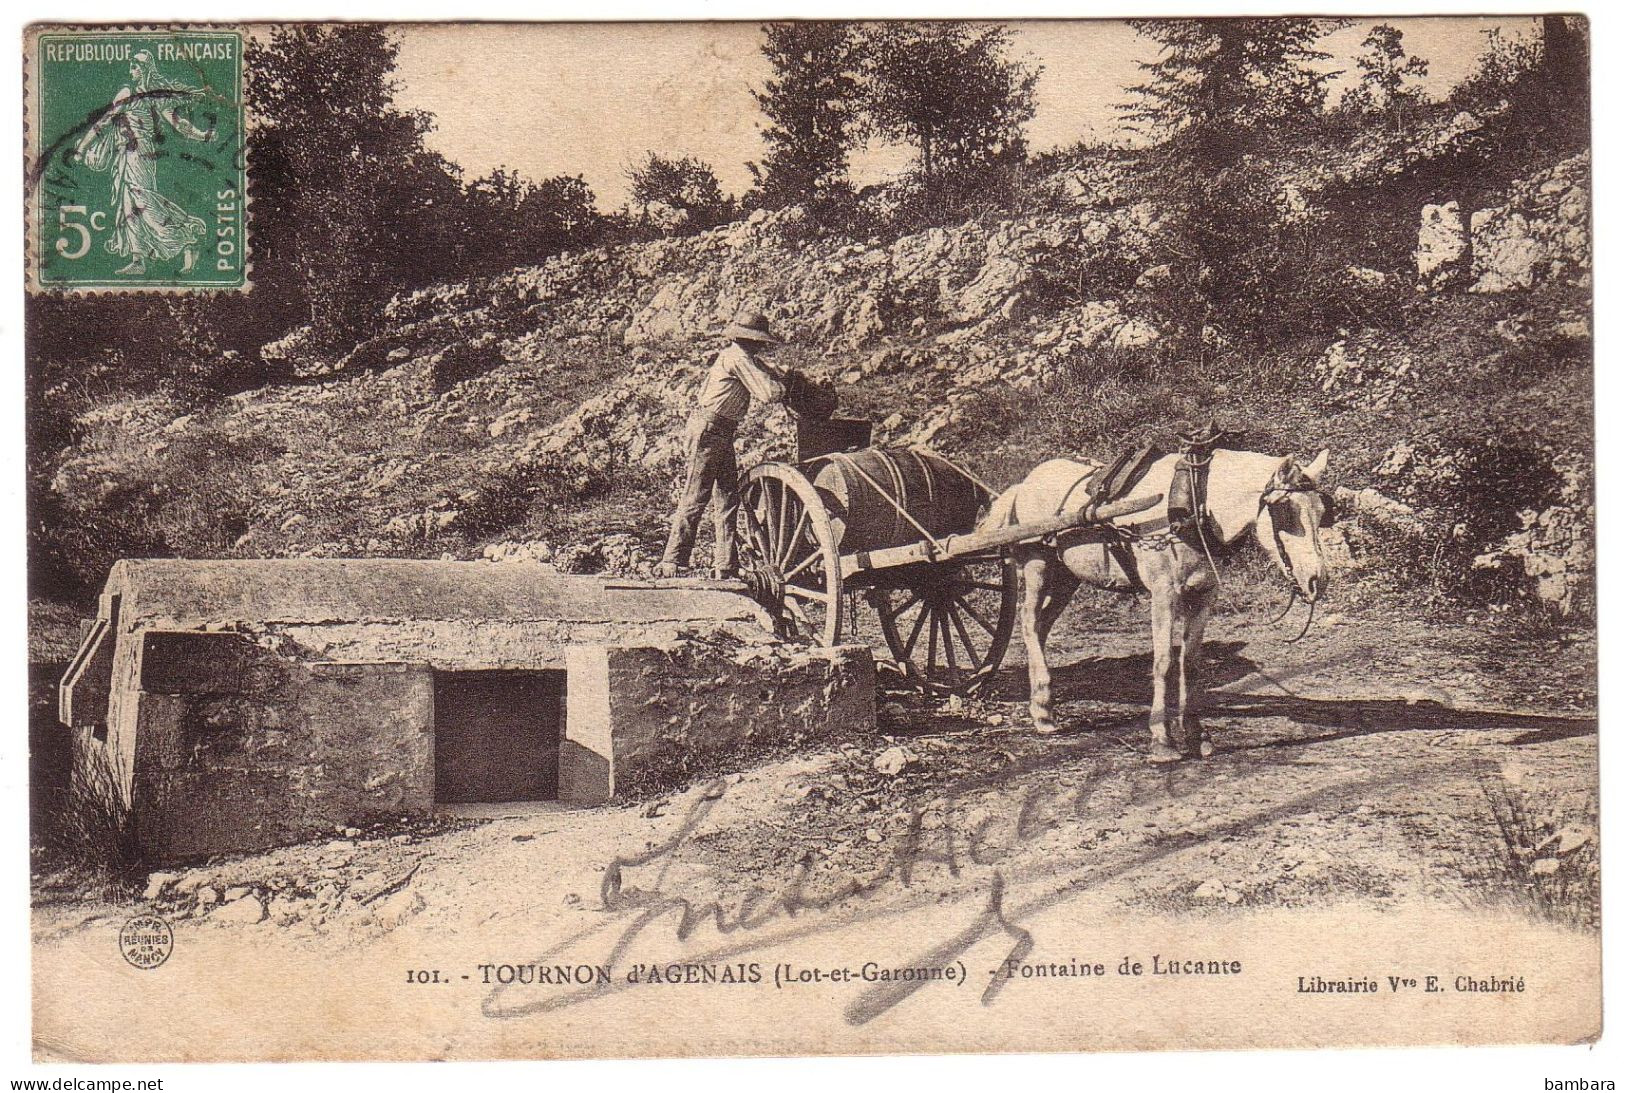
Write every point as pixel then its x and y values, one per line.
pixel 712 472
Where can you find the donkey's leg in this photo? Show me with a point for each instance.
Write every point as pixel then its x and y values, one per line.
pixel 1036 572
pixel 1198 603
pixel 1164 665
pixel 1062 586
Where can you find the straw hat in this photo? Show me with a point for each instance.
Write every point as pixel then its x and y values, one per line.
pixel 750 326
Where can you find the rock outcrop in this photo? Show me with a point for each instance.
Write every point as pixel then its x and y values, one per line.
pixel 1441 244
pixel 484 407
pixel 1541 234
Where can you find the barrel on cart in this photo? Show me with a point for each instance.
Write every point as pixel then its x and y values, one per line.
pixel 896 528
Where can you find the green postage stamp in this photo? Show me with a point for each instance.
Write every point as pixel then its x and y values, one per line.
pixel 138 167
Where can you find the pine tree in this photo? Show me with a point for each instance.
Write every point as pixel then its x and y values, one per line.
pixel 1220 91
pixel 811 104
pixel 1222 84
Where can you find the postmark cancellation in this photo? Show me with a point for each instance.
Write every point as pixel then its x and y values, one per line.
pixel 137 165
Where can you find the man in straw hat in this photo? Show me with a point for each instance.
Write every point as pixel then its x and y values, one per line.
pixel 736 376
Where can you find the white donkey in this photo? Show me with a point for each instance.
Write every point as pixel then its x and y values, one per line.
pixel 1276 498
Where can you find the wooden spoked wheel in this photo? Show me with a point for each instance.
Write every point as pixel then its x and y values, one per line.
pixel 950 628
pixel 790 554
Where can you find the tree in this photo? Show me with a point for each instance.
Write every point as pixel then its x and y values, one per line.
pixel 1539 82
pixel 1502 66
pixel 561 213
pixel 1220 91
pixel 1223 83
pixel 949 90
pixel 518 223
pixel 686 186
pixel 1565 60
pixel 1385 69
pixel 348 205
pixel 811 104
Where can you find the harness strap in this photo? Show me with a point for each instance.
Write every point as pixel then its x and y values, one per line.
pixel 1070 490
pixel 1112 481
pixel 1187 512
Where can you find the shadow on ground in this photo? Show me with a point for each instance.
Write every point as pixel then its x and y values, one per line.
pixel 1113 683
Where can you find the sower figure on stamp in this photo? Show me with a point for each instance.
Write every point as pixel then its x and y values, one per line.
pixel 736 376
pixel 126 141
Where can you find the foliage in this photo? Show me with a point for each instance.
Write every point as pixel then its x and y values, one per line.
pixel 91 831
pixel 348 204
pixel 1219 81
pixel 350 207
pixel 1543 82
pixel 679 194
pixel 1555 549
pixel 519 222
pixel 1221 93
pixel 949 90
pixel 508 498
pixel 1546 863
pixel 1469 495
pixel 1505 61
pixel 913 203
pixel 812 107
pixel 132 491
pixel 1385 70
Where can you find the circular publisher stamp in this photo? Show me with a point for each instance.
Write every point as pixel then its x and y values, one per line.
pixel 146 941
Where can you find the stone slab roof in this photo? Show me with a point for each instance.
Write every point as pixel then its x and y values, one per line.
pixel 183 593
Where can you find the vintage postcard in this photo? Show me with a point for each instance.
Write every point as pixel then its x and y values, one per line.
pixel 742 538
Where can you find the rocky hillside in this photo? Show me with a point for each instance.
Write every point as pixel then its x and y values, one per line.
pixel 537 414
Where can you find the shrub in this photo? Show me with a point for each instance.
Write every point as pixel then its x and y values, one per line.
pixel 94 831
pixel 511 498
pixel 914 202
pixel 1554 548
pixel 132 489
pixel 1471 497
pixel 678 195
pixel 1541 860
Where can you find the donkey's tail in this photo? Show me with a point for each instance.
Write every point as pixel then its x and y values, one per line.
pixel 1002 512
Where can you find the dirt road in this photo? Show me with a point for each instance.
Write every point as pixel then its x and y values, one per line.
pixel 1343 762
pixel 1368 769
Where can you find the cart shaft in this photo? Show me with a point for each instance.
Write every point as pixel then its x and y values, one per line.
pixel 977 542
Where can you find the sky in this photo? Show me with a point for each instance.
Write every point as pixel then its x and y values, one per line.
pixel 593 98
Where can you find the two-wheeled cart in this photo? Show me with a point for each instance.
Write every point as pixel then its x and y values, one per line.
pixel 896 528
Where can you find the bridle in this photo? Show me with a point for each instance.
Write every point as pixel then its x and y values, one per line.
pixel 1277 494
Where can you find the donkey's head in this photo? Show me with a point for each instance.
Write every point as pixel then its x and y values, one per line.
pixel 1291 512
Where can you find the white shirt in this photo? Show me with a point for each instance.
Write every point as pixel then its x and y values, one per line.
pixel 734 379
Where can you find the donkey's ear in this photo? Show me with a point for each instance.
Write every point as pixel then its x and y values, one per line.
pixel 1317 467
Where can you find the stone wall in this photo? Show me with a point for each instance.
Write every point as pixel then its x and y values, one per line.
pixel 641 718
pixel 239 749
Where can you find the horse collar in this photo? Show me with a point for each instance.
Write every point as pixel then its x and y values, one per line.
pixel 1188 515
